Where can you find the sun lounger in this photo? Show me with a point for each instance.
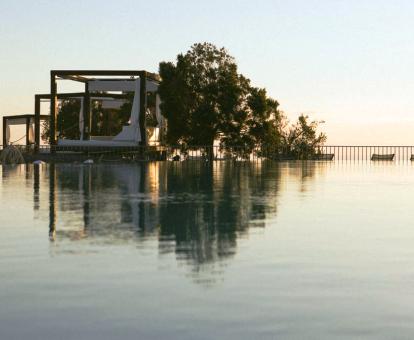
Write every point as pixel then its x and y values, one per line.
pixel 384 157
pixel 324 157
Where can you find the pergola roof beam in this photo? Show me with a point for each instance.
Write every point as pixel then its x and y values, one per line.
pixel 82 94
pixel 78 74
pixel 74 78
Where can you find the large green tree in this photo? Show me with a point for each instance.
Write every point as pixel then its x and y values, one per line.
pixel 205 99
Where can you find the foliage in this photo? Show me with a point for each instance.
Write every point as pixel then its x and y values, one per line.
pixel 11 155
pixel 206 100
pixel 261 128
pixel 67 120
pixel 302 140
pixel 203 97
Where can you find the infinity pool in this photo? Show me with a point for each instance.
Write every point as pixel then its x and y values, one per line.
pixel 194 251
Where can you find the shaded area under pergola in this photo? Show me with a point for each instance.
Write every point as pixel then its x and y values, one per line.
pixel 38 117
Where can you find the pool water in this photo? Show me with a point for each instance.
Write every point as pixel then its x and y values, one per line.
pixel 188 250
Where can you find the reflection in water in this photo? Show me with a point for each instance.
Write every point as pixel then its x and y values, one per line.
pixel 196 210
pixel 36 187
pixel 52 202
pixel 130 241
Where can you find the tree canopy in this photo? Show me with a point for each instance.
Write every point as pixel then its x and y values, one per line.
pixel 206 100
pixel 202 95
pixel 301 139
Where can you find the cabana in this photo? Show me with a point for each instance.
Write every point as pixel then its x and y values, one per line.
pixel 25 119
pixel 97 83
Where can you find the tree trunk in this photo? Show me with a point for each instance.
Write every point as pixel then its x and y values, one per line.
pixel 210 152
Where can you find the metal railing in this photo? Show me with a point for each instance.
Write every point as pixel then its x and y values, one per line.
pixel 402 153
pixel 323 153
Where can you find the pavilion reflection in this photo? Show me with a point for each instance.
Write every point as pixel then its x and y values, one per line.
pixel 195 210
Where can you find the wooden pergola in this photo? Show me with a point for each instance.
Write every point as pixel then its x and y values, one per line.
pixel 84 76
pixel 25 119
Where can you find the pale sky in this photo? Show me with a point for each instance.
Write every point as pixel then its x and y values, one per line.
pixel 346 62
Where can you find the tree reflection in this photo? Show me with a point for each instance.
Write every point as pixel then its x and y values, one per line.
pixel 196 210
pixel 210 206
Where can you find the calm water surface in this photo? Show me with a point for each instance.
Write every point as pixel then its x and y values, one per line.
pixel 191 251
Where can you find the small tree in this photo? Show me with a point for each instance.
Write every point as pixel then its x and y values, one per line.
pixel 301 140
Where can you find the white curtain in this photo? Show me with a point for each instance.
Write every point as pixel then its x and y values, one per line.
pixel 134 118
pixel 132 132
pixel 31 132
pixel 158 115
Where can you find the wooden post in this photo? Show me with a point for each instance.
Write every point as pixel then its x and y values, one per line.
pixel 37 123
pixel 53 107
pixel 87 117
pixel 143 107
pixel 4 132
pixel 27 131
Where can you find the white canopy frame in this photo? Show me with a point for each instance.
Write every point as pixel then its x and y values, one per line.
pixel 139 82
pixel 26 119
